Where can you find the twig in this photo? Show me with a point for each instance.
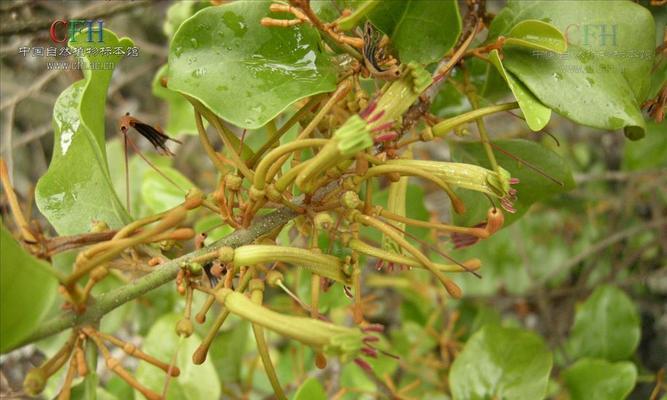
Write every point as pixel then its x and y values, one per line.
pixel 603 244
pixel 43 80
pixel 95 11
pixel 166 273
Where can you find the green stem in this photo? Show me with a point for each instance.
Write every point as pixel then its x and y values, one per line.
pixel 449 285
pixel 443 127
pixel 481 127
pixel 362 247
pixel 274 157
pixel 257 295
pixel 286 126
pixel 226 136
pixel 322 264
pixel 210 151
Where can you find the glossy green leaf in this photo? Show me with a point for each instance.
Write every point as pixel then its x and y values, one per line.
pixel 501 363
pixel 195 381
pixel 605 74
pixel 606 325
pixel 245 72
pixel 77 187
pixel 595 379
pixel 536 34
pixel 311 389
pixel 27 291
pixel 584 89
pixel 420 30
pixel 178 12
pixel 161 194
pixel 537 114
pixel 180 115
pixel 533 186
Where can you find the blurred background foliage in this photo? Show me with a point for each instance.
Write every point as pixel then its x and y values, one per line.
pixel 578 269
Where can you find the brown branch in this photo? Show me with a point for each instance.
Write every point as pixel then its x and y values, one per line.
pixel 99 10
pixel 165 273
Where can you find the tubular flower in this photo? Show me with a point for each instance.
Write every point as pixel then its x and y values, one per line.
pixel 472 177
pixel 347 343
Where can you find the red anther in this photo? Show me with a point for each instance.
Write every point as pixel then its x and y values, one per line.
pixel 514 181
pixel 507 205
pixel 363 365
pixel 369 352
pixel 383 127
pixel 370 339
pixel 369 109
pixel 376 328
pixel 375 117
pixel 385 137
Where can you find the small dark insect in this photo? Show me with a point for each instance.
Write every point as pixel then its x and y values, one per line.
pixel 153 134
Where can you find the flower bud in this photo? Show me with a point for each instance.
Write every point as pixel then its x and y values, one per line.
pixel 225 254
pixel 184 328
pixel 350 200
pixel 34 382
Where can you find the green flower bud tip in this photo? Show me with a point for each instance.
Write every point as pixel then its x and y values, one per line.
pixel 353 136
pixel 421 79
pixel 195 268
pixel 184 327
pixel 34 382
pixel 350 200
pixel 323 220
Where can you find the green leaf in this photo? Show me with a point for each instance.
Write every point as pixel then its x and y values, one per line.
pixel 179 12
pixel 501 363
pixel 180 115
pixel 159 194
pixel 537 114
pixel 311 389
pixel 508 266
pixel 533 187
pixel 27 290
pixel 77 187
pixel 195 381
pixel 595 379
pixel 79 391
pixel 245 72
pixel 605 74
pixel 420 30
pixel 535 34
pixel 227 352
pixel 606 325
